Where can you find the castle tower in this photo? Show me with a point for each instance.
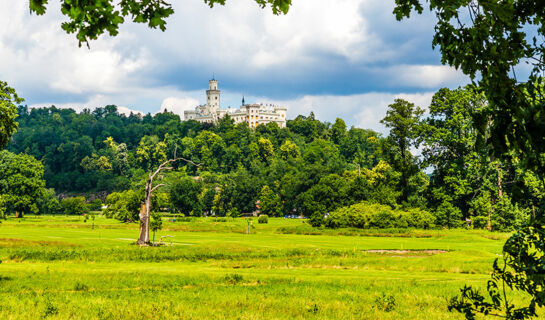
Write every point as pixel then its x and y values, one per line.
pixel 213 96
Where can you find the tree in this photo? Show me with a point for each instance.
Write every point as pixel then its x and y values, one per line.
pixel 207 199
pixel 403 120
pixel 487 40
pixel 123 206
pixel 144 216
pixel 184 195
pixel 156 223
pixel 338 131
pixel 74 206
pixel 269 202
pixel 266 149
pixel 8 113
pixel 449 147
pixel 289 150
pixel 21 182
pixel 90 20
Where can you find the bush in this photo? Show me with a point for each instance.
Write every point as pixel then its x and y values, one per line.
pixel 366 215
pixel 123 206
pixel 263 218
pixel 385 302
pixel 95 205
pixel 75 205
pixel 448 215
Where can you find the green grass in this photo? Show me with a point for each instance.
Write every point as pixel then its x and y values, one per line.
pixel 59 268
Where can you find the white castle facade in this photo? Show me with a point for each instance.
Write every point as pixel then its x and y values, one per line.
pixel 253 114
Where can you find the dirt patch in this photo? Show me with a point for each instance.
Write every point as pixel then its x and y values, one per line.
pixel 406 252
pixel 17 243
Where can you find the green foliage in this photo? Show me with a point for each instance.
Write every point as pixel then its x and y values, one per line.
pixel 21 182
pixel 74 206
pixel 403 120
pixel 48 203
pixel 289 150
pixel 489 46
pixel 385 302
pixel 507 216
pixel 366 215
pixel 184 195
pixel 270 203
pixel 156 223
pixel 263 218
pixel 124 206
pixel 447 215
pixel 520 271
pixel 8 113
pixel 449 142
pixel 50 309
pixel 95 205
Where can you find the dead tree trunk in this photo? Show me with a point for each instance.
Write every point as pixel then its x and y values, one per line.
pixel 144 216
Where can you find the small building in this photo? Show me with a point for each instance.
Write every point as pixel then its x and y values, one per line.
pixel 253 114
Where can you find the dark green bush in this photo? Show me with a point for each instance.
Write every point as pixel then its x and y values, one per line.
pixel 263 219
pixel 367 215
pixel 74 205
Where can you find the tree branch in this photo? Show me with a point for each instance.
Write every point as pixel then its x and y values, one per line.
pixel 157 186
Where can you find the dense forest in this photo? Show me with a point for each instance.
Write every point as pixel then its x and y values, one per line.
pixel 309 168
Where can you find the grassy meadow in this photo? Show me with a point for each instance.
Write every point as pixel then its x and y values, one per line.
pixel 58 267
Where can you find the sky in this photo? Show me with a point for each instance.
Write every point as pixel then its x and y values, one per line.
pixel 342 58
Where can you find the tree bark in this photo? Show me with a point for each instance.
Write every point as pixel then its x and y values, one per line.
pixel 143 238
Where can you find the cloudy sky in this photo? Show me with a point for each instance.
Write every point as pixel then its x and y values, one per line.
pixel 342 58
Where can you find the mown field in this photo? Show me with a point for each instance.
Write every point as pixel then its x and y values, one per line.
pixel 60 268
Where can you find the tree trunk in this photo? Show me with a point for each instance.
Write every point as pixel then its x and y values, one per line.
pixel 144 216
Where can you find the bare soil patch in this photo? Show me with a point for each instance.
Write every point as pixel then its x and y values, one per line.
pixel 406 252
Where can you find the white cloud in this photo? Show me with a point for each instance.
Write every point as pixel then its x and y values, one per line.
pixel 42 56
pixel 361 110
pixel 178 105
pixel 425 76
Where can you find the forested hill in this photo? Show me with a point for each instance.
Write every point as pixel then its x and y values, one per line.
pixel 102 150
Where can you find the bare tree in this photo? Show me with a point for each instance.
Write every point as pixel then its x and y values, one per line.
pixel 144 215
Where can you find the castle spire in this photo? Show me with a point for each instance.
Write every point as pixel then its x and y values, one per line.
pixel 243 100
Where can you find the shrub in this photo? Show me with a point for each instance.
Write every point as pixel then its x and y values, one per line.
pixel 75 205
pixel 123 206
pixel 95 205
pixel 316 219
pixel 385 302
pixel 263 218
pixel 80 286
pixel 50 309
pixel 448 215
pixel 233 278
pixel 367 215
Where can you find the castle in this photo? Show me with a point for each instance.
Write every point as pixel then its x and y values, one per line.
pixel 253 114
